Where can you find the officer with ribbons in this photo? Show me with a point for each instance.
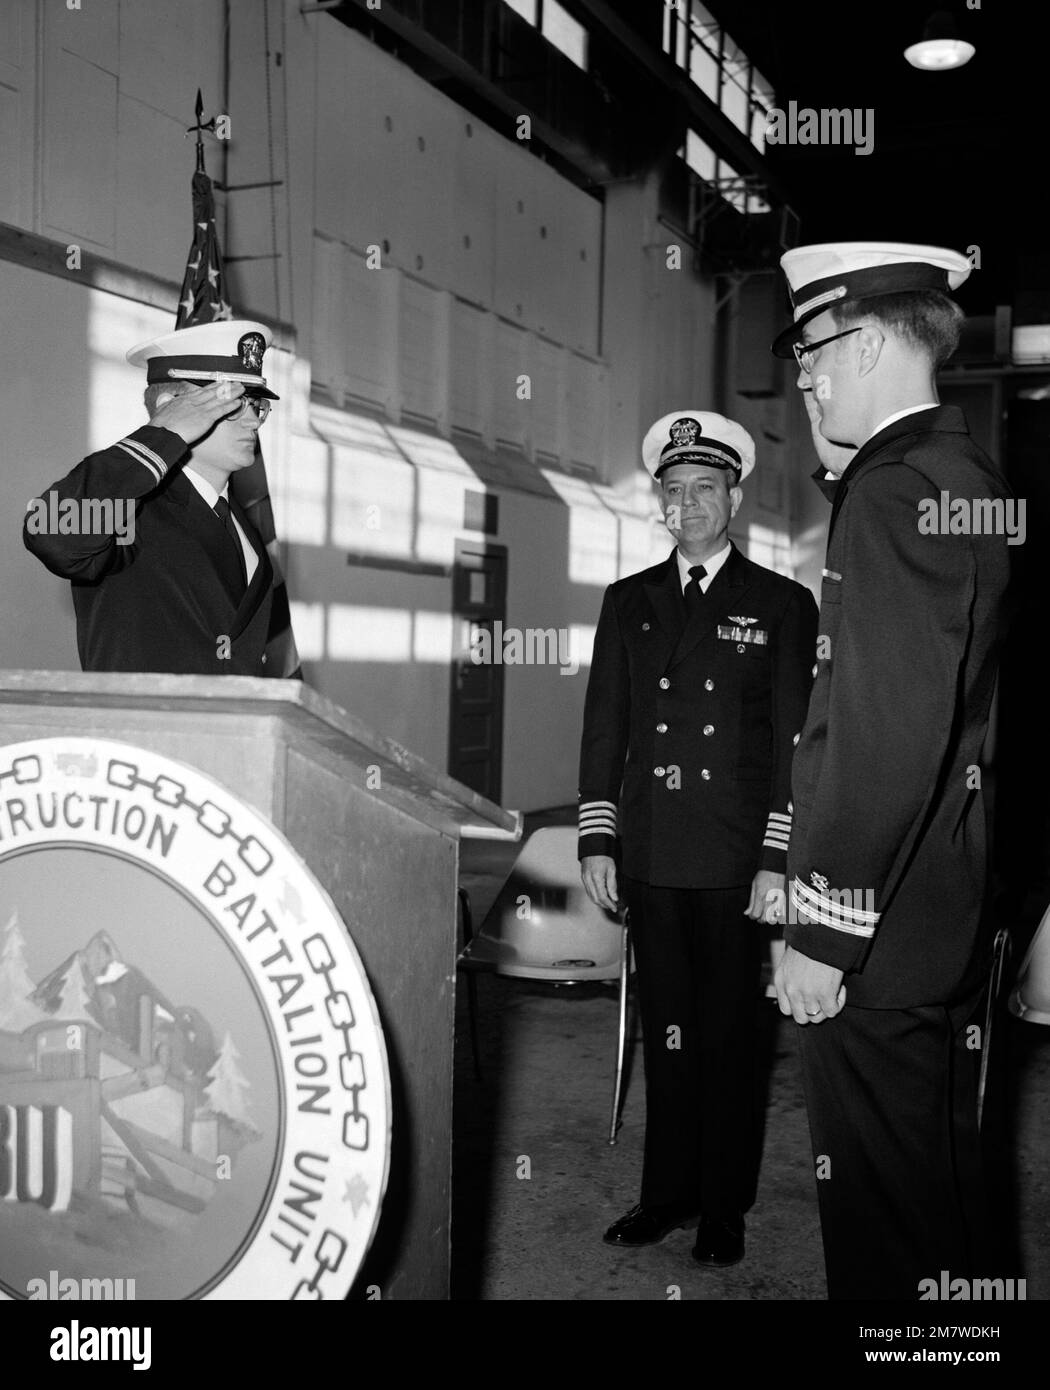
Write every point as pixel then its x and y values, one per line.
pixel 887 946
pixel 698 687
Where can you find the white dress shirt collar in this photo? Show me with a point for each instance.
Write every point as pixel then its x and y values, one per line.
pixel 712 566
pixel 205 488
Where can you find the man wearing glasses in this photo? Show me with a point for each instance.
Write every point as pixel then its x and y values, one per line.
pixel 189 588
pixel 886 867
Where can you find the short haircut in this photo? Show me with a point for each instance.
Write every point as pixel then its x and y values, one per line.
pixel 153 393
pixel 926 319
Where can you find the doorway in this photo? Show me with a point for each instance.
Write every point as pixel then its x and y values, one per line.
pixel 479 602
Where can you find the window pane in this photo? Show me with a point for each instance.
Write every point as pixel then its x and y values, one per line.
pixel 759 121
pixel 563 32
pixel 762 102
pixel 703 24
pixel 526 8
pixel 735 75
pixel 699 156
pixel 703 69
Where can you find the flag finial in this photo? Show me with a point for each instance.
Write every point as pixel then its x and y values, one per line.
pixel 200 127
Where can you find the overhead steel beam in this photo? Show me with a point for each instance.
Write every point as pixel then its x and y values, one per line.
pixel 715 127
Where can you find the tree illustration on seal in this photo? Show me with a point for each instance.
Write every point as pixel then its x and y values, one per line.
pixel 75 1000
pixel 17 1010
pixel 226 1094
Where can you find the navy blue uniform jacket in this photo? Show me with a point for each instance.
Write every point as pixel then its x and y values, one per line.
pixel 163 602
pixel 888 847
pixel 688 734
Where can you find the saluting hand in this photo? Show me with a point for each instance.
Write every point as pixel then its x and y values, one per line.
pixel 192 414
pixel 598 872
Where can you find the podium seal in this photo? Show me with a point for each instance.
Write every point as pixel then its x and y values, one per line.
pixel 194 1098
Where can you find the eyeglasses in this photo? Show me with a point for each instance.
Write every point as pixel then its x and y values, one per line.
pixel 804 351
pixel 260 404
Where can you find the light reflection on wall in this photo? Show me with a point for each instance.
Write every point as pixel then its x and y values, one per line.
pixel 114 326
pixel 357 632
pixel 360 632
pixel 440 518
pixel 769 546
pixel 395 491
pixel 300 497
pixel 594 531
pixel 373 504
pixel 308 626
pixel 432 636
pixel 582 643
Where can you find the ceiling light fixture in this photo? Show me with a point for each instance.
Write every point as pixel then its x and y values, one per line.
pixel 941 47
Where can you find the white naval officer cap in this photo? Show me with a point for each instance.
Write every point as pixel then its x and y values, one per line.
pixel 698 436
pixel 820 277
pixel 226 350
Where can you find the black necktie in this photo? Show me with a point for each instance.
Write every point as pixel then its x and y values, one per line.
pixel 222 511
pixel 693 592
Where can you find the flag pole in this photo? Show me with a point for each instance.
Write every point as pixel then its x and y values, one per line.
pixel 200 127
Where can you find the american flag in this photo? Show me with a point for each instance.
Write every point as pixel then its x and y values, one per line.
pixel 203 300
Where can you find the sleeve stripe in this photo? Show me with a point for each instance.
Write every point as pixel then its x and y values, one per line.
pixel 148 453
pixel 598 827
pixel 777 815
pixel 592 805
pixel 831 904
pixel 829 921
pixel 832 914
pixel 145 456
pixel 774 844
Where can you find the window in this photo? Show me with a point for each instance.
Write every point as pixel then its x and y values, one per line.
pixel 695 41
pixel 705 69
pixel 762 102
pixel 559 28
pixel 700 157
pixel 736 77
pixel 556 25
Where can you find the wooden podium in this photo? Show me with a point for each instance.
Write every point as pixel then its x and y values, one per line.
pixel 380 829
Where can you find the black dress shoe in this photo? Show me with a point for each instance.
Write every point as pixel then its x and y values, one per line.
pixel 719 1243
pixel 647 1225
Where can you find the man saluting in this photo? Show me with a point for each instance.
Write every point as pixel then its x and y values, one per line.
pixel 701 671
pixel 189 589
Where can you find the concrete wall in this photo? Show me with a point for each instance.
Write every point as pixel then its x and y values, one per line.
pixel 403 393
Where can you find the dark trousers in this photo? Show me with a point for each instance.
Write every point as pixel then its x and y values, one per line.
pixel 892 1100
pixel 698 959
